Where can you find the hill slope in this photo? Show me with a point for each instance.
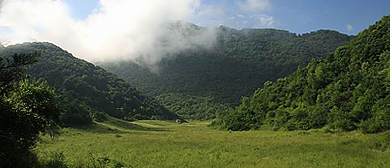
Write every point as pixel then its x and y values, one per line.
pixel 87 91
pixel 348 90
pixel 240 62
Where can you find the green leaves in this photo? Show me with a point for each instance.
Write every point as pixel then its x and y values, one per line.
pixel 346 91
pixel 87 91
pixel 26 108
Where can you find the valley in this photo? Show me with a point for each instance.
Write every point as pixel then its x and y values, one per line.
pixel 129 88
pixel 116 143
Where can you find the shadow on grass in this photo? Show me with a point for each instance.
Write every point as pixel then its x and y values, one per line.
pixel 113 125
pixel 131 126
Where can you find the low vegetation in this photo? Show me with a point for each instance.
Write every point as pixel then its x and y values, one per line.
pixel 117 143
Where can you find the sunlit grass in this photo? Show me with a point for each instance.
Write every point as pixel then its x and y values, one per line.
pixel 165 144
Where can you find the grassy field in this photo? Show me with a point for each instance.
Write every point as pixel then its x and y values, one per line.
pixel 118 143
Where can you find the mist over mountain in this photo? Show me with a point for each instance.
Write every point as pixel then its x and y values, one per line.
pixel 138 31
pixel 239 62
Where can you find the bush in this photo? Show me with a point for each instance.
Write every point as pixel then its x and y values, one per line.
pixel 55 160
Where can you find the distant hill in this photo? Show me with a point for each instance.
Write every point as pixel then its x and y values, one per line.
pixel 87 91
pixel 238 63
pixel 348 90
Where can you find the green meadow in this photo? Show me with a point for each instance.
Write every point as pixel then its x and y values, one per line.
pixel 117 143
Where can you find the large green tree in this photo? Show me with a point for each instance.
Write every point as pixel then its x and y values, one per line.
pixel 26 109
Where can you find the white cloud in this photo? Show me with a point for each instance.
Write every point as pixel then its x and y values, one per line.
pixel 135 30
pixel 252 21
pixel 212 11
pixel 254 6
pixel 119 29
pixel 264 20
pixel 244 14
pixel 8 36
pixel 349 27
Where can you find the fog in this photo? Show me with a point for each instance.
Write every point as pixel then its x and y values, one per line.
pixel 132 30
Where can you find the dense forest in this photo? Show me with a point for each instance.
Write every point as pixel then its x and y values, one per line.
pixel 192 107
pixel 347 90
pixel 239 62
pixel 87 92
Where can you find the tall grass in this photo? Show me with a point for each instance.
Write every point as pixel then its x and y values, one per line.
pixel 142 144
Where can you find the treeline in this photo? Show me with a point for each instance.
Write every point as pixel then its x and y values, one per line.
pixel 348 90
pixel 193 107
pixel 87 92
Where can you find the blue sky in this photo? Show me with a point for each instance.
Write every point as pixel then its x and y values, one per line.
pixel 298 16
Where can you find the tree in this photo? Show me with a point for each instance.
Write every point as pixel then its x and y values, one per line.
pixel 26 109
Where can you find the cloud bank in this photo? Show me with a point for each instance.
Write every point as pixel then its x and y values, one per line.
pixel 133 30
pixel 118 29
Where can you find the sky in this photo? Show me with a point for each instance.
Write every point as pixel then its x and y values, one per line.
pixel 110 30
pixel 297 16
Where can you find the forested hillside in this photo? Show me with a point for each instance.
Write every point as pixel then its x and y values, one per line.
pixel 348 90
pixel 85 91
pixel 239 62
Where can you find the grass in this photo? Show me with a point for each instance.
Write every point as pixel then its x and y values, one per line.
pixel 118 143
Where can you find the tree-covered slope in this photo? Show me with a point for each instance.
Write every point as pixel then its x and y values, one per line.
pixel 348 90
pixel 192 107
pixel 86 91
pixel 238 63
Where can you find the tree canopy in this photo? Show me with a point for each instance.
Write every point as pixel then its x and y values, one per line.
pixel 238 63
pixel 348 90
pixel 27 107
pixel 87 92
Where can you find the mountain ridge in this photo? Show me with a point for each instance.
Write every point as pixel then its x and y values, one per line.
pixel 284 52
pixel 87 91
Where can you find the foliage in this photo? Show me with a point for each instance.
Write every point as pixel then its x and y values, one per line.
pixel 87 92
pixel 54 160
pixel 348 90
pixel 192 107
pixel 27 108
pixel 57 160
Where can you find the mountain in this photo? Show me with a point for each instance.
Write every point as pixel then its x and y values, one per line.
pixel 239 62
pixel 87 91
pixel 347 90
